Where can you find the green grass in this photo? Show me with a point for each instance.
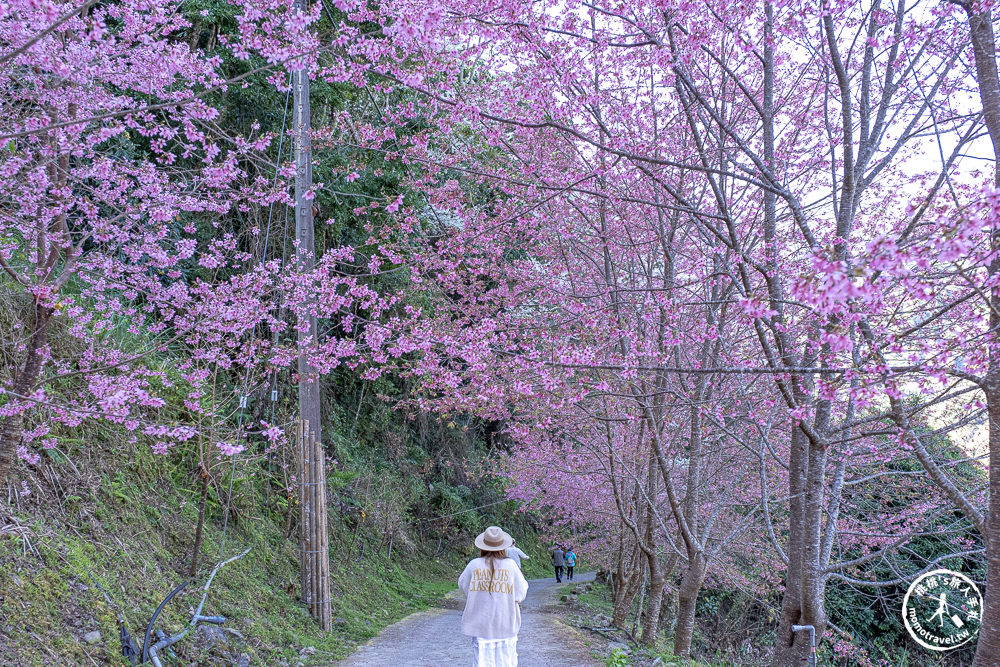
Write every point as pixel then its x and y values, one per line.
pixel 134 530
pixel 595 604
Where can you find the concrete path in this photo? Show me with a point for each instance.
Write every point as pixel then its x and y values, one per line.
pixel 433 638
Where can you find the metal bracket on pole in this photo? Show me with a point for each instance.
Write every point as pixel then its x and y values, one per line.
pixel 812 641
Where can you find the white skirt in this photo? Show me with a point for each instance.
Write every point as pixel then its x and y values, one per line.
pixel 494 652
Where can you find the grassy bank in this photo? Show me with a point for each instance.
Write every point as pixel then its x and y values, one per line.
pixel 589 607
pixel 132 525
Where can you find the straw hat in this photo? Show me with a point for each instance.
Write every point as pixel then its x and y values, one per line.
pixel 494 539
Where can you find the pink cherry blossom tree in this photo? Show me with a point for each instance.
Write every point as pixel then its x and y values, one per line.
pixel 772 132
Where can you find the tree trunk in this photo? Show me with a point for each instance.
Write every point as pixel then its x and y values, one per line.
pixel 657 579
pixel 199 530
pixel 24 382
pixel 988 646
pixel 627 589
pixel 813 581
pixel 687 600
pixel 619 618
pixel 668 602
pixel 651 617
pixel 668 612
pixel 788 647
pixel 805 582
pixel 984 51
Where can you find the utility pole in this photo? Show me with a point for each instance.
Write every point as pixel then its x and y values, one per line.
pixel 313 537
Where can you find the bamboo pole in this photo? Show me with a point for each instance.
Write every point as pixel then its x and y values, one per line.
pixel 323 555
pixel 310 525
pixel 314 535
pixel 314 541
pixel 318 546
pixel 300 497
pixel 307 518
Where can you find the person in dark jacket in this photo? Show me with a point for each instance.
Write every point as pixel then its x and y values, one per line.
pixel 558 562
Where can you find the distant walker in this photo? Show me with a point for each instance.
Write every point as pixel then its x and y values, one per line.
pixel 558 562
pixel 516 554
pixel 570 558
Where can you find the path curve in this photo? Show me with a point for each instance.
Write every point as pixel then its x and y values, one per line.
pixel 434 638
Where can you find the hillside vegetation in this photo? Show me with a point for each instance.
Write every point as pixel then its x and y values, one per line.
pixel 402 521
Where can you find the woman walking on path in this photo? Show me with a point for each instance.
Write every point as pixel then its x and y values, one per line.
pixel 570 558
pixel 493 587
